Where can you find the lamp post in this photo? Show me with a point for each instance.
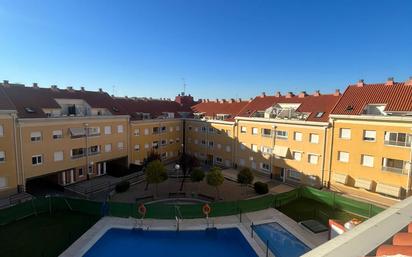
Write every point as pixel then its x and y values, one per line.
pixel 177 167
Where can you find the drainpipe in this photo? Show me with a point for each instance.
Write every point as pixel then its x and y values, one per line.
pixel 324 155
pixel 409 171
pixel 233 144
pixel 86 130
pixel 331 151
pixel 18 175
pixel 23 180
pixel 273 148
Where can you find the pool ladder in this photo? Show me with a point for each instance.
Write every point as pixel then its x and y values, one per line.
pixel 178 217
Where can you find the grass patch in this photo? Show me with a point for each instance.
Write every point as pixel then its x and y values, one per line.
pixel 304 209
pixel 43 235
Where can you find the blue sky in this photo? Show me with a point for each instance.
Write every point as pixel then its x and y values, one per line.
pixel 222 48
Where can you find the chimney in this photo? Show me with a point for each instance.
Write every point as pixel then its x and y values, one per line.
pixel 251 99
pixel 217 100
pixel 70 89
pixel 409 81
pixel 100 90
pixel 54 87
pixel 263 95
pixel 390 81
pixel 239 100
pixel 223 100
pixel 361 83
pixel 317 93
pixel 302 94
pixel 289 95
pixel 126 97
pixel 35 85
pixel 82 89
pixel 232 100
pixel 278 94
pixel 337 92
pixel 207 100
pixel 5 82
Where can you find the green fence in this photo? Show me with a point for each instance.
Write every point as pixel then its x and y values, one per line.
pixel 169 211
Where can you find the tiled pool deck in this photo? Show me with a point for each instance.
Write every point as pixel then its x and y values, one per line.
pixel 89 238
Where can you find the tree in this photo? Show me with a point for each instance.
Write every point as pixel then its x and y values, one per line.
pixel 151 156
pixel 245 177
pixel 215 178
pixel 187 163
pixel 155 173
pixel 197 175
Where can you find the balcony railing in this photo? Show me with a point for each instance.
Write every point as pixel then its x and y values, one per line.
pixel 395 170
pixel 398 143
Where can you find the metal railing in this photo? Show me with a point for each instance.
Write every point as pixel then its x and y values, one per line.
pixel 395 170
pixel 397 143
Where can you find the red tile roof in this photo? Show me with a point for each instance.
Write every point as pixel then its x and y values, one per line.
pixel 397 97
pixel 212 108
pixel 39 98
pixel 153 106
pixel 5 103
pixel 400 244
pixel 309 103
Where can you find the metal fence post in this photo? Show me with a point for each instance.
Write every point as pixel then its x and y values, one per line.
pixel 251 230
pixel 267 248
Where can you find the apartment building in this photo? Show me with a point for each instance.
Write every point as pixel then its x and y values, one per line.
pixel 372 132
pixel 8 169
pixel 211 132
pixel 63 135
pixel 156 125
pixel 286 136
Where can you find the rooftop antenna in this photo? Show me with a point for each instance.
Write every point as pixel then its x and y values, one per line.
pixel 184 86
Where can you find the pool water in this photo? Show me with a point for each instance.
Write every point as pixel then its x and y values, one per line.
pixel 281 242
pixel 217 243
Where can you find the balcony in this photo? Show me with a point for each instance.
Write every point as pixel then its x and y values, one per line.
pixel 395 170
pixel 397 143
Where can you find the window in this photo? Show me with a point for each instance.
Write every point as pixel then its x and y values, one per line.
pixel 146 131
pixel 94 131
pixel 155 130
pixel 211 144
pixel 108 148
pixel 297 156
pixel 3 182
pixel 171 129
pixel 313 158
pixel 35 136
pixel 2 156
pixel 344 133
pixel 211 130
pixel 37 159
pixel 398 139
pixel 107 130
pixel 314 138
pixel 196 141
pixel 394 165
pixel 196 129
pixel 367 160
pixel 219 146
pixel 254 148
pixel 203 129
pixel 293 174
pixel 146 146
pixel 190 127
pixel 57 134
pixel 163 129
pixel 137 148
pixel 58 156
pixel 177 140
pixel 297 136
pixel 369 135
pixel 155 144
pixel 228 148
pixel 266 150
pixel 177 128
pixel 281 134
pixel 119 128
pixel 343 156
pixel 171 141
pixel 81 172
pixel 266 132
pixel 242 162
pixel 242 146
pixel 255 131
pixel 319 114
pixel 265 166
pixel 136 132
pixel 95 149
pixel 163 142
pixel 120 145
pixel 1 131
pixel 219 160
pixel 203 142
pixel 243 129
pixel 77 152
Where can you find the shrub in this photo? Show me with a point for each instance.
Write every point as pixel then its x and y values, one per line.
pixel 197 175
pixel 245 176
pixel 261 188
pixel 122 186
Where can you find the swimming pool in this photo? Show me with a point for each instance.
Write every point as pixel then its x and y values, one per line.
pixel 226 242
pixel 281 242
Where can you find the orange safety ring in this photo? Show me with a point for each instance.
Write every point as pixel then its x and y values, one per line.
pixel 142 209
pixel 206 209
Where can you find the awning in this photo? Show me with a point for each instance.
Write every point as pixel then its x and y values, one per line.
pixel 340 178
pixel 77 132
pixel 391 190
pixel 281 151
pixel 363 183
